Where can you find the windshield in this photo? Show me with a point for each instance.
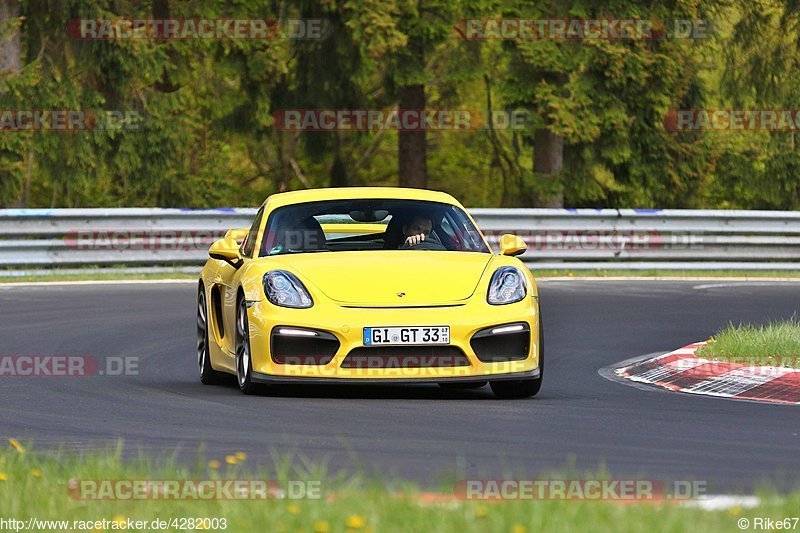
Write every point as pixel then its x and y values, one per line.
pixel 356 225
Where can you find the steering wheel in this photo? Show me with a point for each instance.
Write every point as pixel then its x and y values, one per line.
pixel 424 245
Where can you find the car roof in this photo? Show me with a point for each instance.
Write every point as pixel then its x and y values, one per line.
pixel 357 193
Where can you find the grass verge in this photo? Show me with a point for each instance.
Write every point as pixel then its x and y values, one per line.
pixel 657 273
pixel 774 344
pixel 34 485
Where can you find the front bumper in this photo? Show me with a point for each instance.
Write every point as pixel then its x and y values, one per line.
pixel 288 380
pixel 346 325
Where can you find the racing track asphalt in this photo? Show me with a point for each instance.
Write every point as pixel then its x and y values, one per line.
pixel 579 420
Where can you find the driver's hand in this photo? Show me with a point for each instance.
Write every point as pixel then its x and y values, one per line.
pixel 413 240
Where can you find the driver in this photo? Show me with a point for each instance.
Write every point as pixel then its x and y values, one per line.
pixel 417 230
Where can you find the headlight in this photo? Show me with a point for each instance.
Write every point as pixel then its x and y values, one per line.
pixel 284 289
pixel 507 286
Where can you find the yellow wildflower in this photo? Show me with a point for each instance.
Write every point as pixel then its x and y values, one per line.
pixel 355 521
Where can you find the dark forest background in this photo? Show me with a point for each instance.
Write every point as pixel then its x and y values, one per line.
pixel 596 135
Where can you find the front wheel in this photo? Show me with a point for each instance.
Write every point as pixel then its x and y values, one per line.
pixel 208 376
pixel 522 388
pixel 244 362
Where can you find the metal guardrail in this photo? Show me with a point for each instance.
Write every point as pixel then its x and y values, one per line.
pixel 124 236
pixel 651 239
pixel 557 238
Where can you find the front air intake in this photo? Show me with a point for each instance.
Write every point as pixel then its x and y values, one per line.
pixel 301 346
pixel 506 342
pixel 405 357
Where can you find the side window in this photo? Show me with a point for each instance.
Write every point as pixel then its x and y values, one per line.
pixel 250 241
pixel 450 237
pixel 447 228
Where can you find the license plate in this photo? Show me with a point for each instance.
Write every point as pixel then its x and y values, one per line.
pixel 409 335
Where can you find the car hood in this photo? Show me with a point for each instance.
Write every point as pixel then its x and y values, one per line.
pixel 377 279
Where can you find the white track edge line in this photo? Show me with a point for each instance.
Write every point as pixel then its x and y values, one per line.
pixel 95 282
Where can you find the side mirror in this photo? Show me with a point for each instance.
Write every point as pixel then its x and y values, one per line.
pixel 237 234
pixel 510 244
pixel 227 250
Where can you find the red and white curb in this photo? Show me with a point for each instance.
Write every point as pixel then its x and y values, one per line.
pixel 682 371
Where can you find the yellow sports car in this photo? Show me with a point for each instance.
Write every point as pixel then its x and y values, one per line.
pixel 368 285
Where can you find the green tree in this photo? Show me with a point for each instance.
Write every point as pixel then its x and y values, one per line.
pixel 602 103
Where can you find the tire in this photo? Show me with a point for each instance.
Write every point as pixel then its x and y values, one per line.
pixel 463 385
pixel 244 361
pixel 522 388
pixel 208 376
